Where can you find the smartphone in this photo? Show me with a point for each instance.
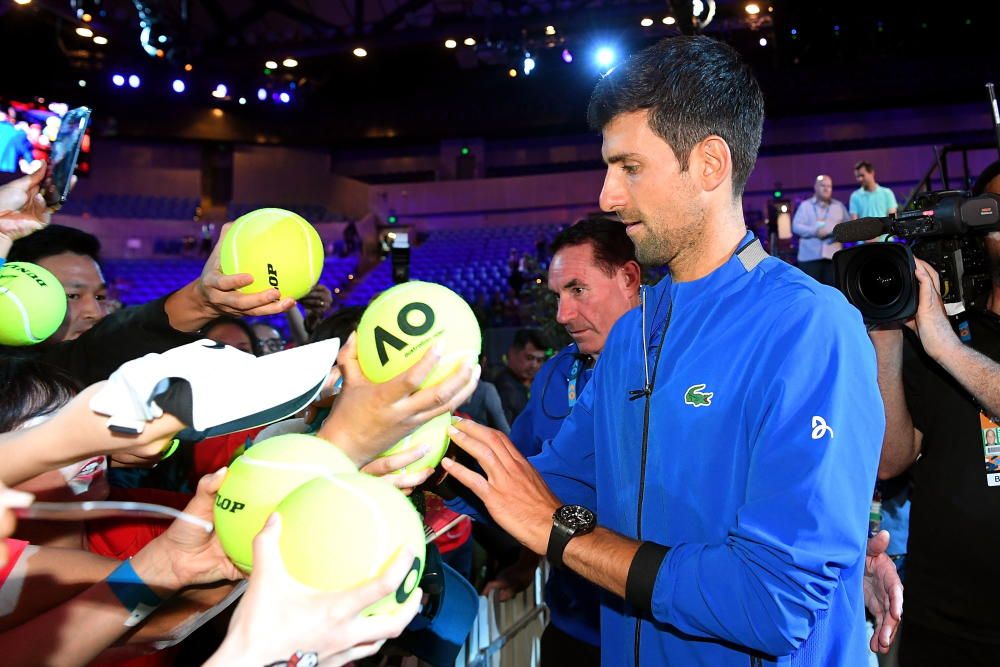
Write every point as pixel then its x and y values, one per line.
pixel 63 156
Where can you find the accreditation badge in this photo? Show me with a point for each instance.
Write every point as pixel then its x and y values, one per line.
pixel 991 448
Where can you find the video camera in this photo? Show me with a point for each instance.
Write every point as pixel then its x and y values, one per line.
pixel 945 229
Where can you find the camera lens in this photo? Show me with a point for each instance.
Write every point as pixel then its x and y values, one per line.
pixel 880 284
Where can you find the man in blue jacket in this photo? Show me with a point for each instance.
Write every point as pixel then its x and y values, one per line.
pixel 595 277
pixel 729 439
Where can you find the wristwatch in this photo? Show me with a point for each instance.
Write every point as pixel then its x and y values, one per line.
pixel 569 521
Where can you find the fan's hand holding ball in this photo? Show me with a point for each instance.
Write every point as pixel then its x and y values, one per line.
pixel 261 478
pixel 278 248
pixel 32 304
pixel 433 436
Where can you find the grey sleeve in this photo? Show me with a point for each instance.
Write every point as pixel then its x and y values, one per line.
pixel 495 416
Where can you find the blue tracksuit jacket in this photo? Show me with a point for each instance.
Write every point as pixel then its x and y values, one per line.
pixel 753 459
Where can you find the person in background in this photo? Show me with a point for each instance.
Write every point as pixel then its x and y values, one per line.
pixel 814 222
pixel 524 357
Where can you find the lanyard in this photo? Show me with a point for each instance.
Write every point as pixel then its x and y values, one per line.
pixel 574 373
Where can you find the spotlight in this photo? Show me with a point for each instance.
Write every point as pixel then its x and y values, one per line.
pixel 450 43
pixel 669 20
pixel 645 23
pixel 550 30
pixel 100 41
pixel 134 81
pixel 567 56
pixel 261 94
pixel 752 9
pixel 82 83
pixel 360 52
pixel 217 112
pixel 290 62
pixel 763 41
pixel 118 80
pixel 22 2
pixel 270 64
pixel 285 98
pixel 470 41
pixel 529 64
pixel 178 86
pixel 605 56
pixel 243 100
pixel 220 91
pixel 512 72
pixel 85 32
pixel 86 18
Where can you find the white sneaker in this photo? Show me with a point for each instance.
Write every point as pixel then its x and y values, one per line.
pixel 213 388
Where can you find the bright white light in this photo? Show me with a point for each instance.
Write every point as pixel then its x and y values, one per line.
pixel 529 64
pixel 85 32
pixel 99 40
pixel 118 80
pixel 179 86
pixel 243 100
pixel 261 94
pixel 645 23
pixel 753 9
pixel 550 30
pixel 82 83
pixel 270 64
pixel 669 20
pixel 605 56
pixel 285 97
pixel 220 91
pixel 567 56
pixel 22 2
pixel 290 62
pixel 134 81
pixel 470 41
pixel 450 43
pixel 360 52
pixel 763 41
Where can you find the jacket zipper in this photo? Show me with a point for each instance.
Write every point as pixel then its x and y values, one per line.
pixel 645 443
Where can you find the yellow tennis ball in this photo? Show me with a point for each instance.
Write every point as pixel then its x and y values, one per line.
pixel 260 479
pixel 342 531
pixel 278 248
pixel 434 434
pixel 405 321
pixel 32 304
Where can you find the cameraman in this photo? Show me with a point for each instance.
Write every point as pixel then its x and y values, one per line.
pixel 942 397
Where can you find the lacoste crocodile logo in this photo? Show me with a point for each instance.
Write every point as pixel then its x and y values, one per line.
pixel 698 398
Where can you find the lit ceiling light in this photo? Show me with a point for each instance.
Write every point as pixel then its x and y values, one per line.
pixel 512 72
pixel 567 56
pixel 360 52
pixel 217 113
pixel 220 91
pixel 118 80
pixel 134 81
pixel 285 97
pixel 86 18
pixel 82 83
pixel 753 9
pixel 179 86
pixel 290 62
pixel 188 67
pixel 605 56
pixel 100 40
pixel 85 32
pixel 470 41
pixel 261 94
pixel 243 100
pixel 529 64
pixel 270 64
pixel 550 30
pixel 669 20
pixel 645 23
pixel 763 41
pixel 23 2
pixel 450 43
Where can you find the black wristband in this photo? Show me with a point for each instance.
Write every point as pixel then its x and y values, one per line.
pixel 642 575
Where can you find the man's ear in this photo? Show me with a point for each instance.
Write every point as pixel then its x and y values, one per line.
pixel 711 163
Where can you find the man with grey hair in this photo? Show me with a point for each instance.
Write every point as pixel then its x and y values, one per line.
pixel 813 223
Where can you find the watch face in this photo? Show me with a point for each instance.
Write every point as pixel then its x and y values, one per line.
pixel 576 517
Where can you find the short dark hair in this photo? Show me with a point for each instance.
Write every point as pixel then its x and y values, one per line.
pixel 612 246
pixel 533 336
pixel 31 388
pixel 236 321
pixel 987 175
pixel 693 87
pixel 339 325
pixel 864 164
pixel 55 240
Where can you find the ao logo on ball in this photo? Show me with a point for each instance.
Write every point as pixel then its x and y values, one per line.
pixel 383 337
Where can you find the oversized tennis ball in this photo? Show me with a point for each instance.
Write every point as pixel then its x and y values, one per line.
pixel 342 531
pixel 32 303
pixel 278 248
pixel 405 321
pixel 260 479
pixel 434 434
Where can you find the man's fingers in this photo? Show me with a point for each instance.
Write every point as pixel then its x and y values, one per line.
pixel 878 543
pixel 487 434
pixel 371 592
pixel 347 361
pixel 387 464
pixel 895 605
pixel 469 479
pixel 446 396
pixel 229 282
pixel 410 380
